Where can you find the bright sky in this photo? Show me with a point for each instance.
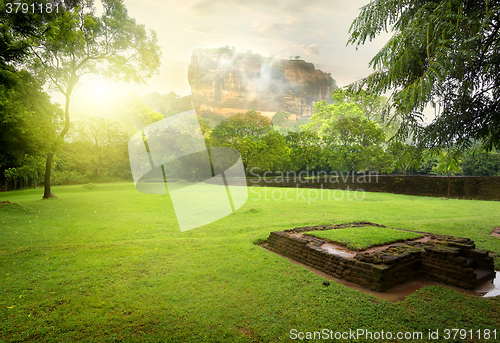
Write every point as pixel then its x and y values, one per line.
pixel 315 30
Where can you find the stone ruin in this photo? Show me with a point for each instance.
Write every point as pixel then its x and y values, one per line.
pixel 449 260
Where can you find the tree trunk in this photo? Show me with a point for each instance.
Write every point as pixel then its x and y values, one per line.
pixel 48 168
pixel 48 165
pixel 449 185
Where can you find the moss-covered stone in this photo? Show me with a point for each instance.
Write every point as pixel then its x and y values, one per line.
pixel 445 259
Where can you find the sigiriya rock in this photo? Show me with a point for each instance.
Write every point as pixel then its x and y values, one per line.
pixel 226 82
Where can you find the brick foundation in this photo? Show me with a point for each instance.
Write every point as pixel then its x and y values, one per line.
pixel 450 260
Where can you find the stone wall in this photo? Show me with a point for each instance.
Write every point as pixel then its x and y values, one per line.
pixel 449 260
pixel 462 187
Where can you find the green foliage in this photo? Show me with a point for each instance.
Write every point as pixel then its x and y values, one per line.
pixel 354 131
pixel 325 114
pixel 428 167
pixel 213 119
pixel 250 124
pixel 133 113
pixel 69 177
pixel 19 28
pixel 282 121
pixel 340 142
pixel 354 143
pixel 371 104
pixel 30 172
pixel 352 138
pixel 168 104
pixel 28 122
pixel 365 237
pixel 448 162
pixel 483 164
pixel 350 103
pixel 410 159
pixel 252 135
pixel 442 52
pixel 97 151
pixel 79 42
pixel 305 151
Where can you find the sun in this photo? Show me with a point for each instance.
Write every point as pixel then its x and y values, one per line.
pixel 96 92
pixel 101 91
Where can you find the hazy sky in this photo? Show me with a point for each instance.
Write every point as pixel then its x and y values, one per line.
pixel 315 30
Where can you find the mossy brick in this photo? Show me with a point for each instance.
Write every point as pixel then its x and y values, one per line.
pixel 477 253
pixel 379 269
pixel 460 245
pixel 460 261
pixel 362 265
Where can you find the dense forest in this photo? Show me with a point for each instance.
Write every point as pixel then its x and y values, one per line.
pixel 345 136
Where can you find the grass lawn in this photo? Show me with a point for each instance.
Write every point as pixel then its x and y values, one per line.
pixel 364 237
pixel 105 263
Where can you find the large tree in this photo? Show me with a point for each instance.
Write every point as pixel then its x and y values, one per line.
pixel 18 27
pixel 253 136
pixel 355 143
pixel 28 121
pixel 78 42
pixel 305 151
pixel 445 53
pixel 27 117
pixel 347 102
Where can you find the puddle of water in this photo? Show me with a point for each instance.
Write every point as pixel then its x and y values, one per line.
pixel 337 249
pixel 489 288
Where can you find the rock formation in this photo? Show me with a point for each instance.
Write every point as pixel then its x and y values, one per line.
pixel 226 82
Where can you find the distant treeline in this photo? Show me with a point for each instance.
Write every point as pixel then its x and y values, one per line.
pixel 346 136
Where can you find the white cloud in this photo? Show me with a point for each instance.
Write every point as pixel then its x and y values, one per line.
pixel 201 29
pixel 312 49
pixel 208 7
pixel 317 33
pixel 265 28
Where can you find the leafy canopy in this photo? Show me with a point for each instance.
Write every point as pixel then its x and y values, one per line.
pixel 261 147
pixel 349 103
pixel 27 118
pixel 445 53
pixel 78 42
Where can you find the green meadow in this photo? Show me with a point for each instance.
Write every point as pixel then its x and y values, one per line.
pixel 365 237
pixel 105 263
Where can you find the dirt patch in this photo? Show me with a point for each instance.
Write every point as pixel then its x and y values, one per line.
pixel 5 202
pixel 384 247
pixel 495 232
pixel 245 332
